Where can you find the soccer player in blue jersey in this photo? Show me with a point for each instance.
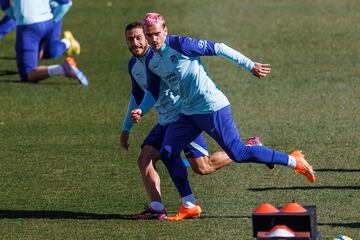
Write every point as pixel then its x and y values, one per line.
pixel 176 61
pixel 168 109
pixel 35 26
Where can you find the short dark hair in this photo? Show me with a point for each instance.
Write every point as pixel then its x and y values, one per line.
pixel 133 25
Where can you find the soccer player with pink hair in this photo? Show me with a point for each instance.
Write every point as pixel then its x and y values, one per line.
pixel 176 61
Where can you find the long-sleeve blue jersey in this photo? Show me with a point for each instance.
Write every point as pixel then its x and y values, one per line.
pixel 167 104
pixel 179 65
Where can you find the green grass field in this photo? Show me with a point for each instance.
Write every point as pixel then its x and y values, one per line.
pixel 65 176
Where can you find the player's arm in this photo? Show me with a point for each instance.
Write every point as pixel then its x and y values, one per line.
pixel 127 123
pixel 59 8
pixel 7 8
pixel 137 95
pixel 257 69
pixel 198 47
pixel 150 97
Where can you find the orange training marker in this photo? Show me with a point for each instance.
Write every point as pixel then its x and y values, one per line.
pixel 266 208
pixel 293 207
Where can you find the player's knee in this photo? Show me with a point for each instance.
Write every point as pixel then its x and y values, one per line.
pixel 145 162
pixel 203 170
pixel 202 165
pixel 166 153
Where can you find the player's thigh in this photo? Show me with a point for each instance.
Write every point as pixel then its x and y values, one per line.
pixel 27 47
pixel 52 46
pixel 197 153
pixel 222 128
pixel 150 149
pixel 178 135
pixel 148 155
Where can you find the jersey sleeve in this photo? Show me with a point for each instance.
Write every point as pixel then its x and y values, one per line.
pixel 153 82
pixel 147 103
pixel 191 46
pixel 136 90
pixel 128 122
pixel 60 9
pixel 234 56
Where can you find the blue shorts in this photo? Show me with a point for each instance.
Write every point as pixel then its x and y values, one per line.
pixel 29 40
pixel 197 148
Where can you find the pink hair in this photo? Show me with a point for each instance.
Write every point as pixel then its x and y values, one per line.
pixel 153 18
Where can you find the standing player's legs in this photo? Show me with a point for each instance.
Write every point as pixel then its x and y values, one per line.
pixel 149 155
pixel 177 137
pixel 221 127
pixel 6 25
pixel 147 166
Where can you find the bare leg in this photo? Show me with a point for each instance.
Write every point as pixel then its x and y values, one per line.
pixel 206 165
pixel 38 74
pixel 151 179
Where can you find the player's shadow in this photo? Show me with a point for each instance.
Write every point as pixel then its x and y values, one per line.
pixel 355 187
pixel 7 58
pixel 14 214
pixel 204 216
pixel 345 225
pixel 343 170
pixel 7 72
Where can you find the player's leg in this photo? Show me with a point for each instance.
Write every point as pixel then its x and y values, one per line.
pixel 53 46
pixel 6 25
pixel 256 141
pixel 149 155
pixel 200 161
pixel 151 179
pixel 220 126
pixel 178 135
pixel 28 40
pixel 27 46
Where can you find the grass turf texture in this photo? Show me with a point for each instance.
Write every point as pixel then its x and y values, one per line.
pixel 64 175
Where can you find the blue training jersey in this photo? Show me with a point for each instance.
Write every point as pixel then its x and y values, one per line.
pixel 28 12
pixel 179 65
pixel 167 104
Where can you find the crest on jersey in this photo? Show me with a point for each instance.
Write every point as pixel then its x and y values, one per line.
pixel 201 43
pixel 174 59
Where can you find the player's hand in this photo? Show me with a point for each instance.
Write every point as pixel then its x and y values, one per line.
pixel 136 115
pixel 124 137
pixel 261 70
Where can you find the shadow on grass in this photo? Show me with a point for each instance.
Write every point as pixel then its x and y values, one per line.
pixel 223 217
pixel 7 58
pixel 60 215
pixel 43 83
pixel 345 225
pixel 336 170
pixel 7 73
pixel 305 188
pixel 15 214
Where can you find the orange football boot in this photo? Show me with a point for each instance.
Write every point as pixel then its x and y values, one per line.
pixel 185 213
pixel 303 167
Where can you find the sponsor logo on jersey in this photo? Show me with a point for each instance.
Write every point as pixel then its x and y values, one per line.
pixel 174 59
